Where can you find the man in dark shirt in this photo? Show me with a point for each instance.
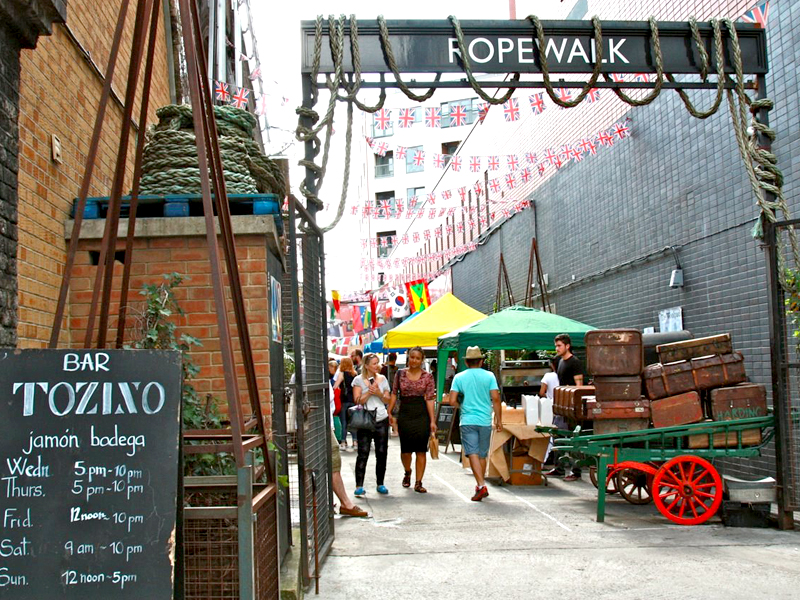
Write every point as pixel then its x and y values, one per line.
pixel 570 372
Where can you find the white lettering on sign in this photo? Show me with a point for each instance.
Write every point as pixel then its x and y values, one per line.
pixel 91 362
pixel 564 50
pixel 66 440
pixel 116 399
pixel 118 441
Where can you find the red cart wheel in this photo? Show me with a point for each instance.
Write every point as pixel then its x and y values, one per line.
pixel 687 490
pixel 634 486
pixel 611 486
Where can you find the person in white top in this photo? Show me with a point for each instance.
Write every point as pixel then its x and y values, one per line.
pixel 550 380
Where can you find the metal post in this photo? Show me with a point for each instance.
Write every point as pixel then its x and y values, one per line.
pixel 222 50
pixel 212 19
pixel 244 482
pixel 602 472
pixel 777 327
pixel 237 44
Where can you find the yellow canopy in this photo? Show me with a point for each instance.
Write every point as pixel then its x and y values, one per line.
pixel 443 316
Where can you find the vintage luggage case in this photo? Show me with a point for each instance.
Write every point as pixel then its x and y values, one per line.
pixel 750 437
pixel 677 410
pixel 620 425
pixel 614 352
pixel 671 379
pixel 617 409
pixel 568 400
pixel 618 388
pixel 686 350
pixel 743 401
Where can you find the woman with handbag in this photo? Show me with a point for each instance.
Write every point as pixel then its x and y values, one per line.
pixel 344 381
pixel 415 389
pixel 371 393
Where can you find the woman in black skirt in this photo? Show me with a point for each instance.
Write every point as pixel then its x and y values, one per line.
pixel 416 391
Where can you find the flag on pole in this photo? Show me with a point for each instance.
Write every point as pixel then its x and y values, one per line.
pixel 398 300
pixel 336 300
pixel 758 15
pixel 418 295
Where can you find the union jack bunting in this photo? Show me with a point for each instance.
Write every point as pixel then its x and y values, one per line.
pixel 432 198
pixel 239 99
pixel 412 202
pixel 605 139
pixel 549 155
pixel 593 95
pixel 381 148
pixel 438 161
pixel 513 162
pixel 449 229
pixel 617 77
pixel 222 91
pixel 438 231
pixel 400 152
pixel 366 211
pixel 432 213
pixel 484 220
pixel 537 103
pixel 354 210
pixel 256 74
pixel 525 174
pixel 427 234
pixel 531 158
pixel 433 117
pixel 404 239
pixel 478 188
pixel 261 107
pixel 588 146
pixel 576 153
pixel 383 119
pixel 373 243
pixel 757 14
pixel 506 213
pixel 442 212
pixel 494 185
pixel 384 242
pixel 398 205
pixel 415 236
pixel 406 117
pixel 462 191
pixel 511 181
pixel 460 227
pixel 641 76
pixel 419 158
pixel 511 110
pixel 564 94
pixel 451 211
pixel 455 163
pixel 558 163
pixel 621 130
pixel 541 170
pixel 475 164
pixel 493 163
pixel 565 153
pixel 386 207
pixel 458 116
pixel 447 194
pixel 369 141
pixel 483 110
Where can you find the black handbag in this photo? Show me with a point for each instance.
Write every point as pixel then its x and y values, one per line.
pixel 359 418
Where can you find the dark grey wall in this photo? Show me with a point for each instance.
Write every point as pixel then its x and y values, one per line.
pixel 9 165
pixel 603 224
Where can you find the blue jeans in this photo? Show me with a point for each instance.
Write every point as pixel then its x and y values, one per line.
pixel 475 439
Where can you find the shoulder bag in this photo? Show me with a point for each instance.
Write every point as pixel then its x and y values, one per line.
pixel 359 418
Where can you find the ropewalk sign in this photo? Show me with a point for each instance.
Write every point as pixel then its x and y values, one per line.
pixel 511 47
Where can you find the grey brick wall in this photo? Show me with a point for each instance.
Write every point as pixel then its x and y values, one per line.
pixel 603 224
pixel 9 164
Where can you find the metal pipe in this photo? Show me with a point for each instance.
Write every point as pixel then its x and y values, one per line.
pixel 87 175
pixel 212 19
pixel 237 44
pixel 222 40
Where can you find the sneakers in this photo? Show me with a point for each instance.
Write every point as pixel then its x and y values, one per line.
pixel 480 493
pixel 572 477
pixel 353 512
pixel 382 489
pixel 360 492
pixel 557 472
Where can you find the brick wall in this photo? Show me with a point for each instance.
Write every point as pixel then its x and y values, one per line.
pixel 603 224
pixel 59 94
pixel 188 255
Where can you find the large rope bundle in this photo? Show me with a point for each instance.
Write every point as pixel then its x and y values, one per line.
pixel 170 165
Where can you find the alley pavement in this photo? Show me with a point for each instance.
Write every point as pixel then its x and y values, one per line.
pixel 538 542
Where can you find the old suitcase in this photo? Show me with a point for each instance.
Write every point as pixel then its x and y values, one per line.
pixel 614 352
pixel 743 401
pixel 686 350
pixel 620 425
pixel 676 410
pixel 618 409
pixel 750 437
pixel 671 379
pixel 618 388
pixel 568 400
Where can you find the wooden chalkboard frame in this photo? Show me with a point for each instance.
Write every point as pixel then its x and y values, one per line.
pixel 446 435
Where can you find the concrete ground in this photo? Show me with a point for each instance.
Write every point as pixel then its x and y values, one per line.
pixel 536 542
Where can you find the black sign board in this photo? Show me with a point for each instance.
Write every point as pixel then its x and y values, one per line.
pixel 447 430
pixel 509 47
pixel 89 459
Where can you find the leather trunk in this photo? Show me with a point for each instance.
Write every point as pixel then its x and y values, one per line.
pixel 568 400
pixel 750 437
pixel 620 425
pixel 688 349
pixel 677 410
pixel 743 401
pixel 618 388
pixel 617 409
pixel 614 352
pixel 671 379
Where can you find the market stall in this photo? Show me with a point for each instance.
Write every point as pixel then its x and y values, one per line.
pixel 447 314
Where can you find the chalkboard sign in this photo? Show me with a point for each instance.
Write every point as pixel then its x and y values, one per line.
pixel 89 459
pixel 447 429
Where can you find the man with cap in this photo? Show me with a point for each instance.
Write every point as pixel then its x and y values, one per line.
pixel 479 392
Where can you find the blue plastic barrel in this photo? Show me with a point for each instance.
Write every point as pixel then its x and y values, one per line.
pixel 267 204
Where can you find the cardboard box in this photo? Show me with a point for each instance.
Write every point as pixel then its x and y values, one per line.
pixel 513 415
pixel 525 470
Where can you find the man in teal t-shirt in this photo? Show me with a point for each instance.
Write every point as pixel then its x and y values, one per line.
pixel 479 389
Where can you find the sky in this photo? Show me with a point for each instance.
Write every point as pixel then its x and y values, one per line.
pixel 278 37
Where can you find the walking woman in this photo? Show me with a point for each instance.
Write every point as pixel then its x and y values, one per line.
pixel 344 381
pixel 372 390
pixel 416 391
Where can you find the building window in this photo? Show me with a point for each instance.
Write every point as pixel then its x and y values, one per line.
pixel 386 242
pixel 384 165
pixel 415 162
pixel 470 106
pixel 385 205
pixel 448 150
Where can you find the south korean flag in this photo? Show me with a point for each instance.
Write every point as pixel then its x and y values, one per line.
pixel 398 300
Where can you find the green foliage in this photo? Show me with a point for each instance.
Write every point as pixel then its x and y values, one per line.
pixel 792 290
pixel 157 331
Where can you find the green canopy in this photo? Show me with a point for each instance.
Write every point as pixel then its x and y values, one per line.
pixel 513 328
